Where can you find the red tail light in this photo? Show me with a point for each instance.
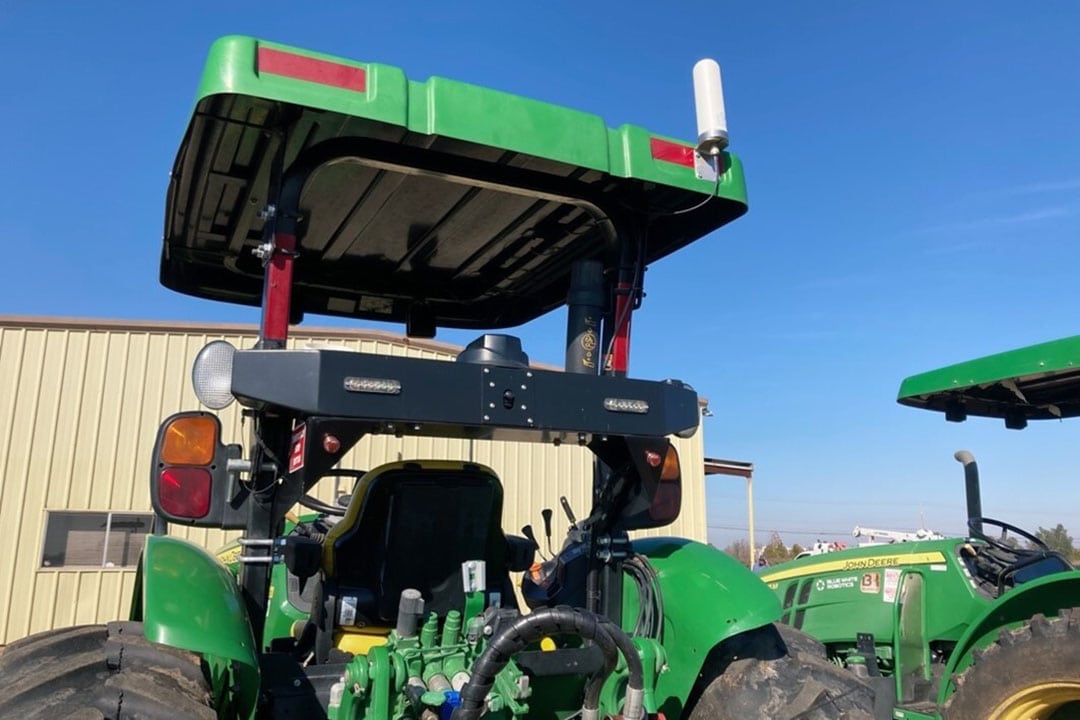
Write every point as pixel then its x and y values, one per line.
pixel 185 492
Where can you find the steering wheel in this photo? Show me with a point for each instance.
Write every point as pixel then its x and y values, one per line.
pixel 336 509
pixel 973 529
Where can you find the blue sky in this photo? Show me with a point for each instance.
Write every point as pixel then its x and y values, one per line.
pixel 914 176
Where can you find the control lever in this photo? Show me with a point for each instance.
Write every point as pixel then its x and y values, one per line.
pixel 527 531
pixel 546 513
pixel 569 513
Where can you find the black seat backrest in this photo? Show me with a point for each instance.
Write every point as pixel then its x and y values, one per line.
pixel 412 525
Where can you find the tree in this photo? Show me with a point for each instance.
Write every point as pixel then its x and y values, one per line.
pixel 1057 539
pixel 740 550
pixel 776 551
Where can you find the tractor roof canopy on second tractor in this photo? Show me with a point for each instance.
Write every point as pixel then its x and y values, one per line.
pixel 1038 382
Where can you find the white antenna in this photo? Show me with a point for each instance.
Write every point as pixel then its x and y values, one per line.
pixel 709 103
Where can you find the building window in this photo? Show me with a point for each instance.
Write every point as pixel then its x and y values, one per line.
pixel 94 539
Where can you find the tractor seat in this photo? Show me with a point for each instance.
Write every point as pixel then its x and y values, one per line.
pixel 410 525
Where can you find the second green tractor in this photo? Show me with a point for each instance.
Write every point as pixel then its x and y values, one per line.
pixel 980 627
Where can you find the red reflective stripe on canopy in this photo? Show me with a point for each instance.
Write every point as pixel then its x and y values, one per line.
pixel 672 152
pixel 323 72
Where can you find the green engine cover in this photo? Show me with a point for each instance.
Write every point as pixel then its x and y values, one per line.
pixel 835 595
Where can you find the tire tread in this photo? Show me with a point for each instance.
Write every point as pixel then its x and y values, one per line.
pixel 1039 650
pixel 102 673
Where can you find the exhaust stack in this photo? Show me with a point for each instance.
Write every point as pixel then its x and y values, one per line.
pixel 585 305
pixel 971 486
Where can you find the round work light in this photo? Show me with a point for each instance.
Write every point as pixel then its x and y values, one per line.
pixel 212 375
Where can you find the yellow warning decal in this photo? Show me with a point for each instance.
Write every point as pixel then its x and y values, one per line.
pixel 229 555
pixel 862 563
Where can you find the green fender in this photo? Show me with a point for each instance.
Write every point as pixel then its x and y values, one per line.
pixel 1047 595
pixel 191 601
pixel 709 596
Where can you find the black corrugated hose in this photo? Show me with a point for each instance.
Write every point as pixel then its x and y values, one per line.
pixel 555 621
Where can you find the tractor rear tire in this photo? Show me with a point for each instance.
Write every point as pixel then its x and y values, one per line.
pixel 1032 672
pixel 765 675
pixel 99 672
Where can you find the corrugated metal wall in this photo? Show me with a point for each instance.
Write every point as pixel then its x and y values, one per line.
pixel 80 403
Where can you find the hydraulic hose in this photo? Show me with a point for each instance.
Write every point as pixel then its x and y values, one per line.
pixel 313 503
pixel 528 629
pixel 633 706
pixel 555 621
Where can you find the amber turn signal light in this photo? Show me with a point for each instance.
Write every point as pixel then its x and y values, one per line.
pixel 672 470
pixel 190 440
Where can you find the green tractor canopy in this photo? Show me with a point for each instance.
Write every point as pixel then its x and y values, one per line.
pixel 1039 382
pixel 433 203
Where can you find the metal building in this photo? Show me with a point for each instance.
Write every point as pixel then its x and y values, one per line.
pixel 80 404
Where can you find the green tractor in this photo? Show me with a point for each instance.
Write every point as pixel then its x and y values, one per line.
pixel 981 627
pixel 309 183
